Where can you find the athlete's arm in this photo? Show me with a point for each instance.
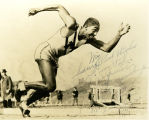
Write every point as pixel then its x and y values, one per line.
pixel 108 47
pixel 69 21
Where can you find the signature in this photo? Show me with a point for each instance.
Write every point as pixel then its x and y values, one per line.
pixel 108 65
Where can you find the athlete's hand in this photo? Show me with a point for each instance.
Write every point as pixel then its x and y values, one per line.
pixel 124 29
pixel 33 11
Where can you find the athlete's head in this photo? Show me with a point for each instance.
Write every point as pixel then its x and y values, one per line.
pixel 89 29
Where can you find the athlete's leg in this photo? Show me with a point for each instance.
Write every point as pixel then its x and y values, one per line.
pixel 48 73
pixel 38 85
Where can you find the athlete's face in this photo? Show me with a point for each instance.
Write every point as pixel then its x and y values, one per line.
pixel 87 32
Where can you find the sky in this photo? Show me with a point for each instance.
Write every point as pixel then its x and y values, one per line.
pixel 21 34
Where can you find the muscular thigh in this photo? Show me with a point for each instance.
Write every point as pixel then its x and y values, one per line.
pixel 48 71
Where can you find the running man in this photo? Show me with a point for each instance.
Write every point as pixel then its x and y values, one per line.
pixel 65 40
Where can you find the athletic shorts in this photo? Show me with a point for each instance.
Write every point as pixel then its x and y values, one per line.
pixel 45 52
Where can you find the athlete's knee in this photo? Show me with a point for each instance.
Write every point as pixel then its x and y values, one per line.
pixel 51 87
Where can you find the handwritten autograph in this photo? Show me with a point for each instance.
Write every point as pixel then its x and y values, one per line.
pixel 110 64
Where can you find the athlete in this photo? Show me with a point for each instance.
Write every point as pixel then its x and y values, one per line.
pixel 65 40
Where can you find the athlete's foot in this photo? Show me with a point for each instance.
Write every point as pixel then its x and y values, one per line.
pixel 25 112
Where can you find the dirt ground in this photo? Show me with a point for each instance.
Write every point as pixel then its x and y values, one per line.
pixel 76 112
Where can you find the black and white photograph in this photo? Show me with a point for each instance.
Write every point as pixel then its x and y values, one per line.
pixel 73 59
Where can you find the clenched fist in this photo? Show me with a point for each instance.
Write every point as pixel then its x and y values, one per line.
pixel 33 11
